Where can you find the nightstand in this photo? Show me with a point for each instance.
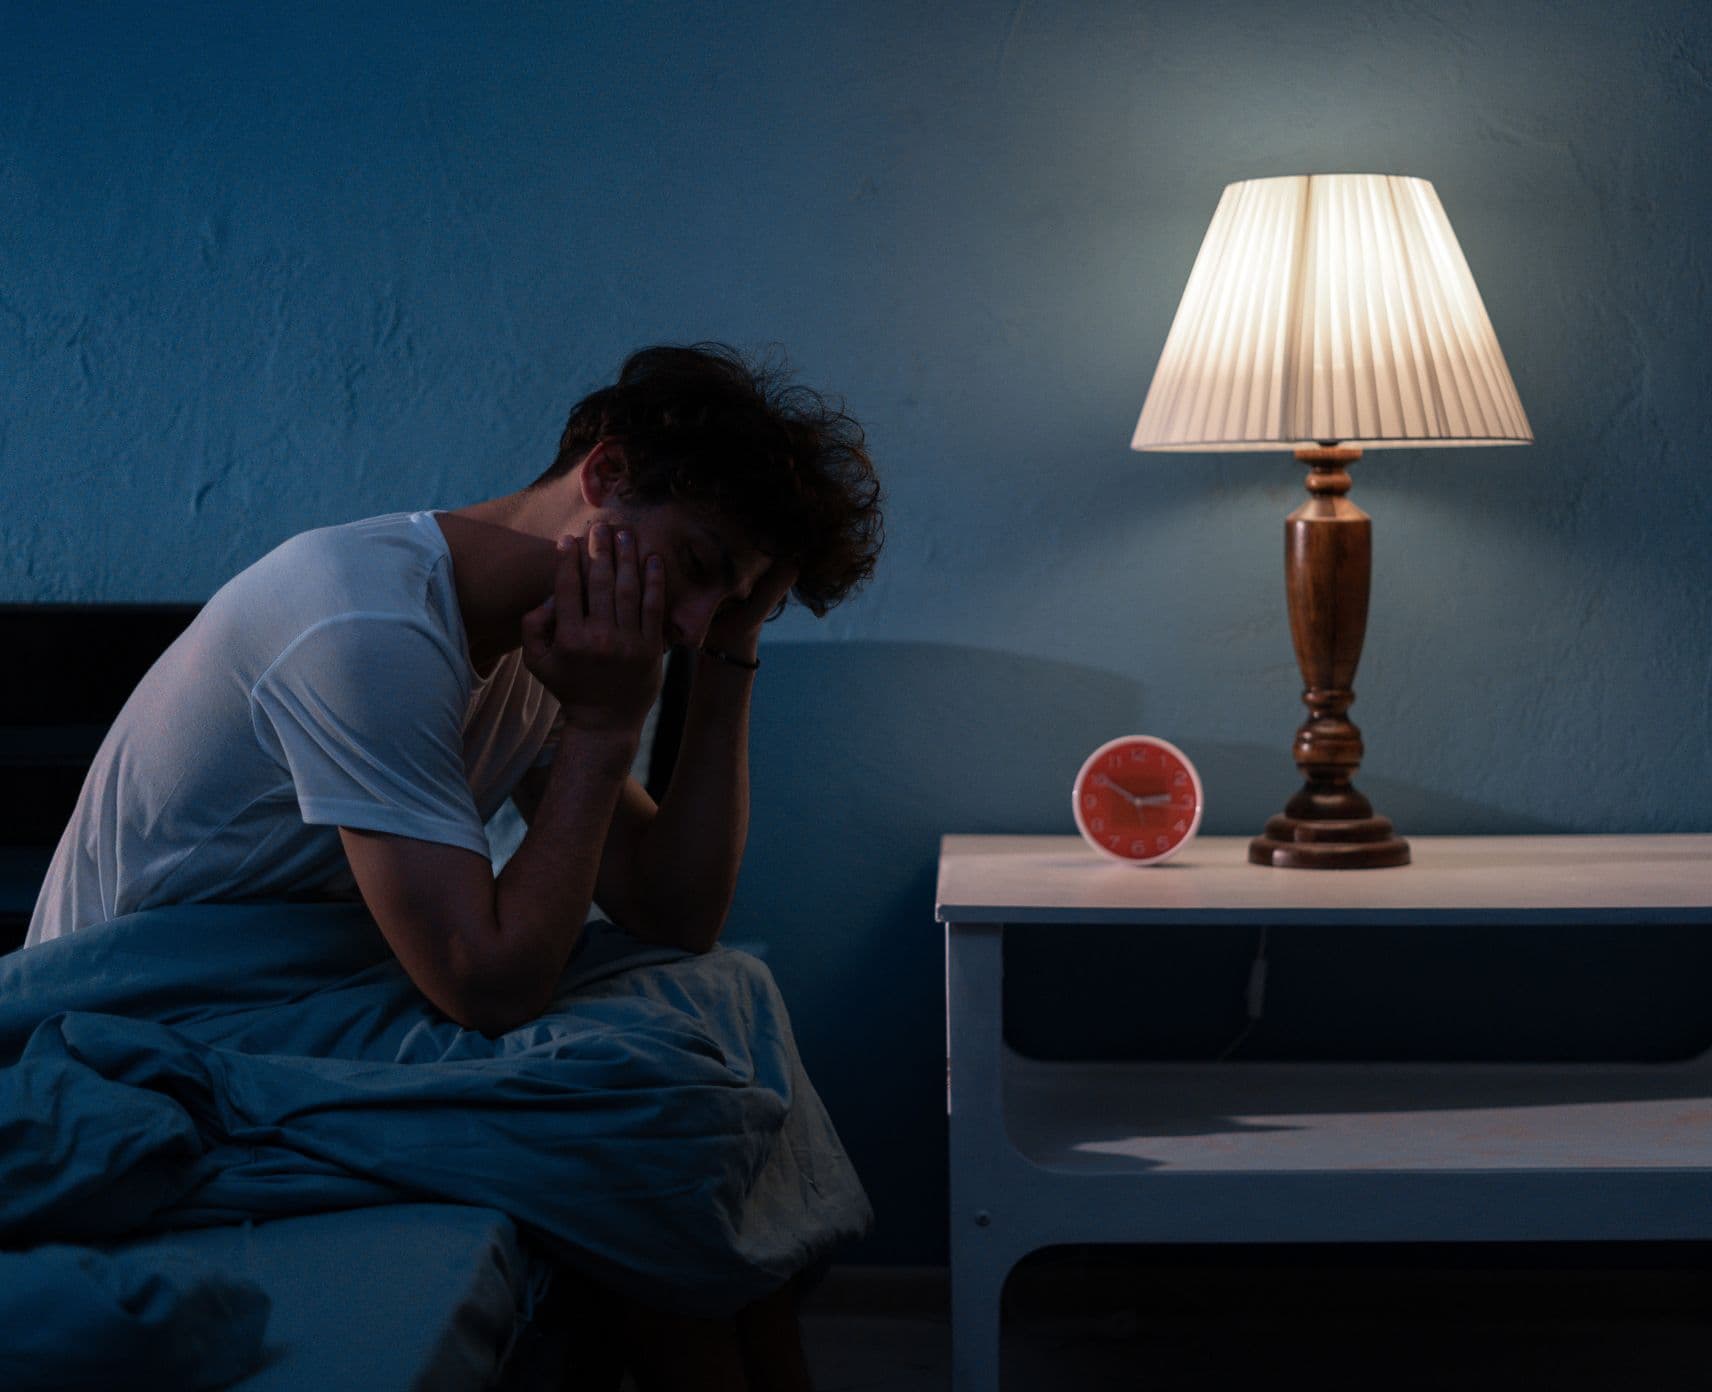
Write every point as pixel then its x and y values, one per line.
pixel 1044 1153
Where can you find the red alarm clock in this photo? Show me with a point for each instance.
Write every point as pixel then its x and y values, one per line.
pixel 1137 799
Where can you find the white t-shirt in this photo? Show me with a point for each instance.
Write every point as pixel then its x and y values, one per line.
pixel 327 685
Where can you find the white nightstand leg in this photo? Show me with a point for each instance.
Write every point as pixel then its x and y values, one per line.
pixel 981 1154
pixel 976 1284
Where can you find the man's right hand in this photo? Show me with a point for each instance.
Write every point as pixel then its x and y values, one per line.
pixel 597 642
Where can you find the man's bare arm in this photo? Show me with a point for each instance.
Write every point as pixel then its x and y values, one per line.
pixel 685 862
pixel 489 952
pixel 668 872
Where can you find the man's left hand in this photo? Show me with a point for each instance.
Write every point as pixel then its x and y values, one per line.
pixel 736 627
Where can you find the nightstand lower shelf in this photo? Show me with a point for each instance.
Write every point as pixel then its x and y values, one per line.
pixel 1082 1153
pixel 1267 1118
pixel 1115 1152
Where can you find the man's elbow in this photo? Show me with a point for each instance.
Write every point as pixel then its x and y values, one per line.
pixel 494 1004
pixel 498 1025
pixel 495 1015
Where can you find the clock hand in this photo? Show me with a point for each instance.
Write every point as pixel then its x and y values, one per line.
pixel 1135 800
pixel 1121 792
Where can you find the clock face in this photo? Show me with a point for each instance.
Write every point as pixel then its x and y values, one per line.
pixel 1137 799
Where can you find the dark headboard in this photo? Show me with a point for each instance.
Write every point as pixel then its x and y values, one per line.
pixel 71 667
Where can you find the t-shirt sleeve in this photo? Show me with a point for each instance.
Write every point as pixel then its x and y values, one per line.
pixel 366 713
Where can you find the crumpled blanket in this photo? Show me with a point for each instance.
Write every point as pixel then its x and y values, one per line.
pixel 210 1063
pixel 76 1320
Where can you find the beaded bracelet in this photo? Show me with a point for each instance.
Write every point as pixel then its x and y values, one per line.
pixel 754 666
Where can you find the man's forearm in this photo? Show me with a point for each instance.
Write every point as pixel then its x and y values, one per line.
pixel 690 854
pixel 542 896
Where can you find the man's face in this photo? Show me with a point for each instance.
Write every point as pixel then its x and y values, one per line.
pixel 709 562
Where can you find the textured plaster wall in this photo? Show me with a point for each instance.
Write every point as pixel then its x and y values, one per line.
pixel 268 267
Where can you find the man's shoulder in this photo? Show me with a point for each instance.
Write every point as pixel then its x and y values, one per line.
pixel 374 563
pixel 372 541
pixel 354 585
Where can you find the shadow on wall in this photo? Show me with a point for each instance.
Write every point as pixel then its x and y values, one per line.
pixel 862 756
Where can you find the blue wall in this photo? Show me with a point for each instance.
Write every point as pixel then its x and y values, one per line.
pixel 265 269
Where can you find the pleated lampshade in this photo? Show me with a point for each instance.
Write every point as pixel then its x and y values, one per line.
pixel 1330 308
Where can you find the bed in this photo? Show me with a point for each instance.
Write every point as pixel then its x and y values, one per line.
pixel 261 1091
pixel 238 1148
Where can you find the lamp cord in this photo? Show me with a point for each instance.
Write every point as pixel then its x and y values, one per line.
pixel 1253 997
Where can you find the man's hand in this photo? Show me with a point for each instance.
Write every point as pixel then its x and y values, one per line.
pixel 736 627
pixel 597 641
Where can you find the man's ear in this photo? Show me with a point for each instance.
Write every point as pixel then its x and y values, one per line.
pixel 602 470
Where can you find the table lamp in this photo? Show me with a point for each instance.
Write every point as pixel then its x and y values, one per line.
pixel 1329 313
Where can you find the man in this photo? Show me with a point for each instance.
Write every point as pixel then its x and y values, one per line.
pixel 344 716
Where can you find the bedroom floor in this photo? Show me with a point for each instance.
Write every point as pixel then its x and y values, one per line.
pixel 1208 1326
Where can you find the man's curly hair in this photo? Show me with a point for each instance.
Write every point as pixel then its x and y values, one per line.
pixel 704 425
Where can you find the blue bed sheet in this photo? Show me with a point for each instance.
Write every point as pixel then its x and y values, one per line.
pixel 399 1298
pixel 209 1064
pixel 73 1319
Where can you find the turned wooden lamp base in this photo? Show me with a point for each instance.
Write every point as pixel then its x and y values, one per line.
pixel 1364 843
pixel 1328 566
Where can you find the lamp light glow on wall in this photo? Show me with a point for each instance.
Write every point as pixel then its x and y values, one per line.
pixel 1328 314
